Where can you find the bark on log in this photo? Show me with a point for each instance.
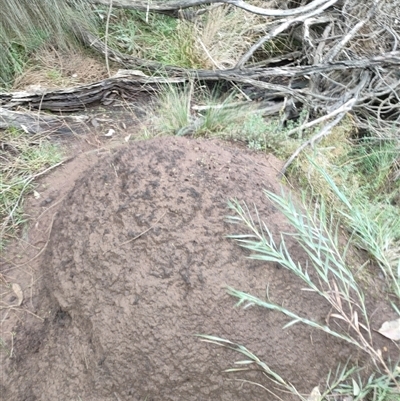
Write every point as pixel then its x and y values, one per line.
pixel 80 97
pixel 34 123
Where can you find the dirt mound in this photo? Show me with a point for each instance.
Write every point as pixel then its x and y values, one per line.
pixel 137 265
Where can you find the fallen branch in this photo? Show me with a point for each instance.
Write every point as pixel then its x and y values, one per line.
pixel 283 26
pixel 36 123
pixel 169 6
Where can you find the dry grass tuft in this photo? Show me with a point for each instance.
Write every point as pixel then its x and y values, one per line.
pixel 52 68
pixel 225 33
pixel 22 159
pixel 27 25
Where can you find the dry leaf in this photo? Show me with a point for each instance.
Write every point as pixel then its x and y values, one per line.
pixel 356 388
pixel 391 329
pixel 355 318
pixel 315 395
pixel 110 132
pixel 25 129
pixel 18 292
pixel 36 194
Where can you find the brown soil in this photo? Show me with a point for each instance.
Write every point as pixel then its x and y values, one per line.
pixel 136 264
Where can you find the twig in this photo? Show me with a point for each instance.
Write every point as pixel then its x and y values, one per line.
pixel 191 89
pixel 339 46
pixel 138 236
pixel 208 54
pixel 12 344
pixel 144 232
pixel 49 208
pixel 44 246
pixel 5 282
pixel 53 166
pixel 116 396
pixel 22 310
pixel 325 131
pixel 342 109
pixel 106 38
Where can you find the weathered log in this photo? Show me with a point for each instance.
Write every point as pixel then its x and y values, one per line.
pixel 79 97
pixel 39 123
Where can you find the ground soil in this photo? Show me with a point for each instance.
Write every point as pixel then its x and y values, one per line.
pixel 127 259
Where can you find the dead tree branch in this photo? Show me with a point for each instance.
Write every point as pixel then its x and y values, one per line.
pixel 283 26
pixel 167 6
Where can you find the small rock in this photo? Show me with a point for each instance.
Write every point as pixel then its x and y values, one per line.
pixel 94 122
pixel 46 201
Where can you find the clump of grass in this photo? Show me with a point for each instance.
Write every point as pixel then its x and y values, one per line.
pixel 26 25
pixel 269 134
pixel 224 34
pixel 200 112
pixel 216 38
pixel 49 68
pixel 252 359
pixel 173 110
pixel 376 231
pixel 335 282
pixel 156 37
pixel 22 159
pixel 357 179
pixel 208 113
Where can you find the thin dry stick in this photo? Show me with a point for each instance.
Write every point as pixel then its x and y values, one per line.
pixel 144 232
pixel 106 38
pixel 52 167
pixel 44 246
pixel 339 46
pixel 165 6
pixel 191 87
pixel 116 396
pixel 344 108
pixel 208 54
pixel 11 307
pixel 325 131
pixel 3 279
pixel 138 236
pixel 12 344
pixel 5 317
pixel 49 208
